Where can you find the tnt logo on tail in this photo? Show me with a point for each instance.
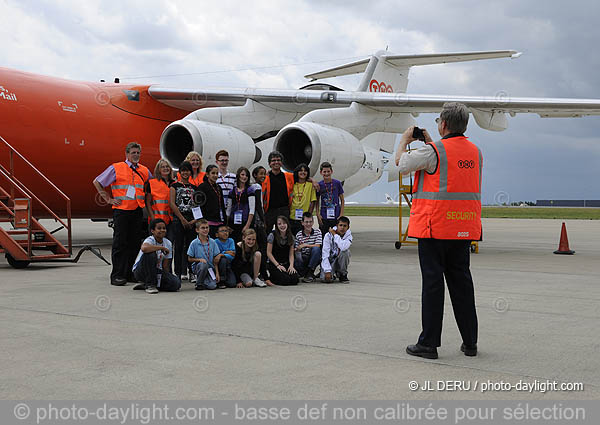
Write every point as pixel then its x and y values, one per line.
pixel 376 86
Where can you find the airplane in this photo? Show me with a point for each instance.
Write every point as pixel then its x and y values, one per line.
pixel 390 201
pixel 72 130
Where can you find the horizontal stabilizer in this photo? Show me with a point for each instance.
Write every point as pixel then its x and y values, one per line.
pixel 412 60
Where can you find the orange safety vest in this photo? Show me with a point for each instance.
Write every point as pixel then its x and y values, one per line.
pixel 195 181
pixel 125 177
pixel 447 203
pixel 161 196
pixel 266 188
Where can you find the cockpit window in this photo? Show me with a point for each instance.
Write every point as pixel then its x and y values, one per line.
pixel 132 95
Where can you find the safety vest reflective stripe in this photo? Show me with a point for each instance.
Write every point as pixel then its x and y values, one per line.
pixel 160 199
pixel 125 178
pixel 448 196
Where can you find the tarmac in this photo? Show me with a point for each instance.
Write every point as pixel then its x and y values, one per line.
pixel 68 334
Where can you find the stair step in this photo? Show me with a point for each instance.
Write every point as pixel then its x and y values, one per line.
pixel 48 257
pixel 17 232
pixel 43 244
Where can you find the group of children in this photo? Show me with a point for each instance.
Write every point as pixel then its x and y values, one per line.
pixel 233 244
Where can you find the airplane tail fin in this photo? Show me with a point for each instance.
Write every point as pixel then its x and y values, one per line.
pixel 383 72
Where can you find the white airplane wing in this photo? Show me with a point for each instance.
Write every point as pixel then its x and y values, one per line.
pixel 302 101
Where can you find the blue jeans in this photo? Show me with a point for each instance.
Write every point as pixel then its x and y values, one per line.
pixel 202 275
pixel 226 272
pixel 303 263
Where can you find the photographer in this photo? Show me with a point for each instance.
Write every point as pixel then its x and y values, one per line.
pixel 445 216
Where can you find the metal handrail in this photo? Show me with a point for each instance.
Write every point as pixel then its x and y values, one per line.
pixel 16 183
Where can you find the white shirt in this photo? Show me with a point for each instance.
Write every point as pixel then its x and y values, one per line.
pixel 159 254
pixel 332 246
pixel 423 158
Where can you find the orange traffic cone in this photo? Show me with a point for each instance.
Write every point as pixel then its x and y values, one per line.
pixel 563 245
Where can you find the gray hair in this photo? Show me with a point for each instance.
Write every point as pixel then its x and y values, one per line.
pixel 456 116
pixel 132 145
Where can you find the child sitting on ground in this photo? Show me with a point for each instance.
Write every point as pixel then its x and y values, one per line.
pixel 246 264
pixel 203 254
pixel 227 247
pixel 152 265
pixel 336 252
pixel 307 248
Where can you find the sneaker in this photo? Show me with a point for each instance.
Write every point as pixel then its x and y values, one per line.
pixel 151 290
pixel 193 278
pixel 308 278
pixel 139 287
pixel 184 277
pixel 221 285
pixel 343 278
pixel 200 287
pixel 258 282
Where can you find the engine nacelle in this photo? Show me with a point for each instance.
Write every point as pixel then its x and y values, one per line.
pixel 312 144
pixel 183 136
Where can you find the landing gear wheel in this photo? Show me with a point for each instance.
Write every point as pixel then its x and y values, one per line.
pixel 17 264
pixel 398 244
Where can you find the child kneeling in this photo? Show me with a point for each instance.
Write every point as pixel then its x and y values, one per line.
pixel 247 260
pixel 153 262
pixel 336 252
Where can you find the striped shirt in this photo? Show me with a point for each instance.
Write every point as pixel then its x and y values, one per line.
pixel 226 181
pixel 314 238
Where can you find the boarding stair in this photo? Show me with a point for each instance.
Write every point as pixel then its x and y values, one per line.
pixel 23 239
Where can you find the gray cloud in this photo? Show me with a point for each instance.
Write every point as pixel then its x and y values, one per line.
pixel 535 158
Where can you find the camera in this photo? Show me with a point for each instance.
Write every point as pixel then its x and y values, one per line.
pixel 418 134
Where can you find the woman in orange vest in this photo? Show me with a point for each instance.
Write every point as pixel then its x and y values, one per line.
pixel 197 177
pixel 158 195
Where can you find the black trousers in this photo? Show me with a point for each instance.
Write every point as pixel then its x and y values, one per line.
pixel 127 239
pixel 261 240
pixel 182 239
pixel 282 278
pixel 271 217
pixel 450 259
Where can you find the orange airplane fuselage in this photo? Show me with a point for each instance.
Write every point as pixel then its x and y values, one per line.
pixel 71 131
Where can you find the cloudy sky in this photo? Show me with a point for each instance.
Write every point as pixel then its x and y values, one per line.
pixel 272 44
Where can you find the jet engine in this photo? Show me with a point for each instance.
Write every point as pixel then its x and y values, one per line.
pixel 312 143
pixel 183 136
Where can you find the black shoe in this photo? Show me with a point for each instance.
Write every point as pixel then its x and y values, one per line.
pixel 118 281
pixel 200 288
pixel 139 286
pixel 343 278
pixel 422 351
pixel 469 350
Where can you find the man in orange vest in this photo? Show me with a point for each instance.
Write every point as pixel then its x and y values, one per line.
pixel 276 190
pixel 445 216
pixel 126 180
